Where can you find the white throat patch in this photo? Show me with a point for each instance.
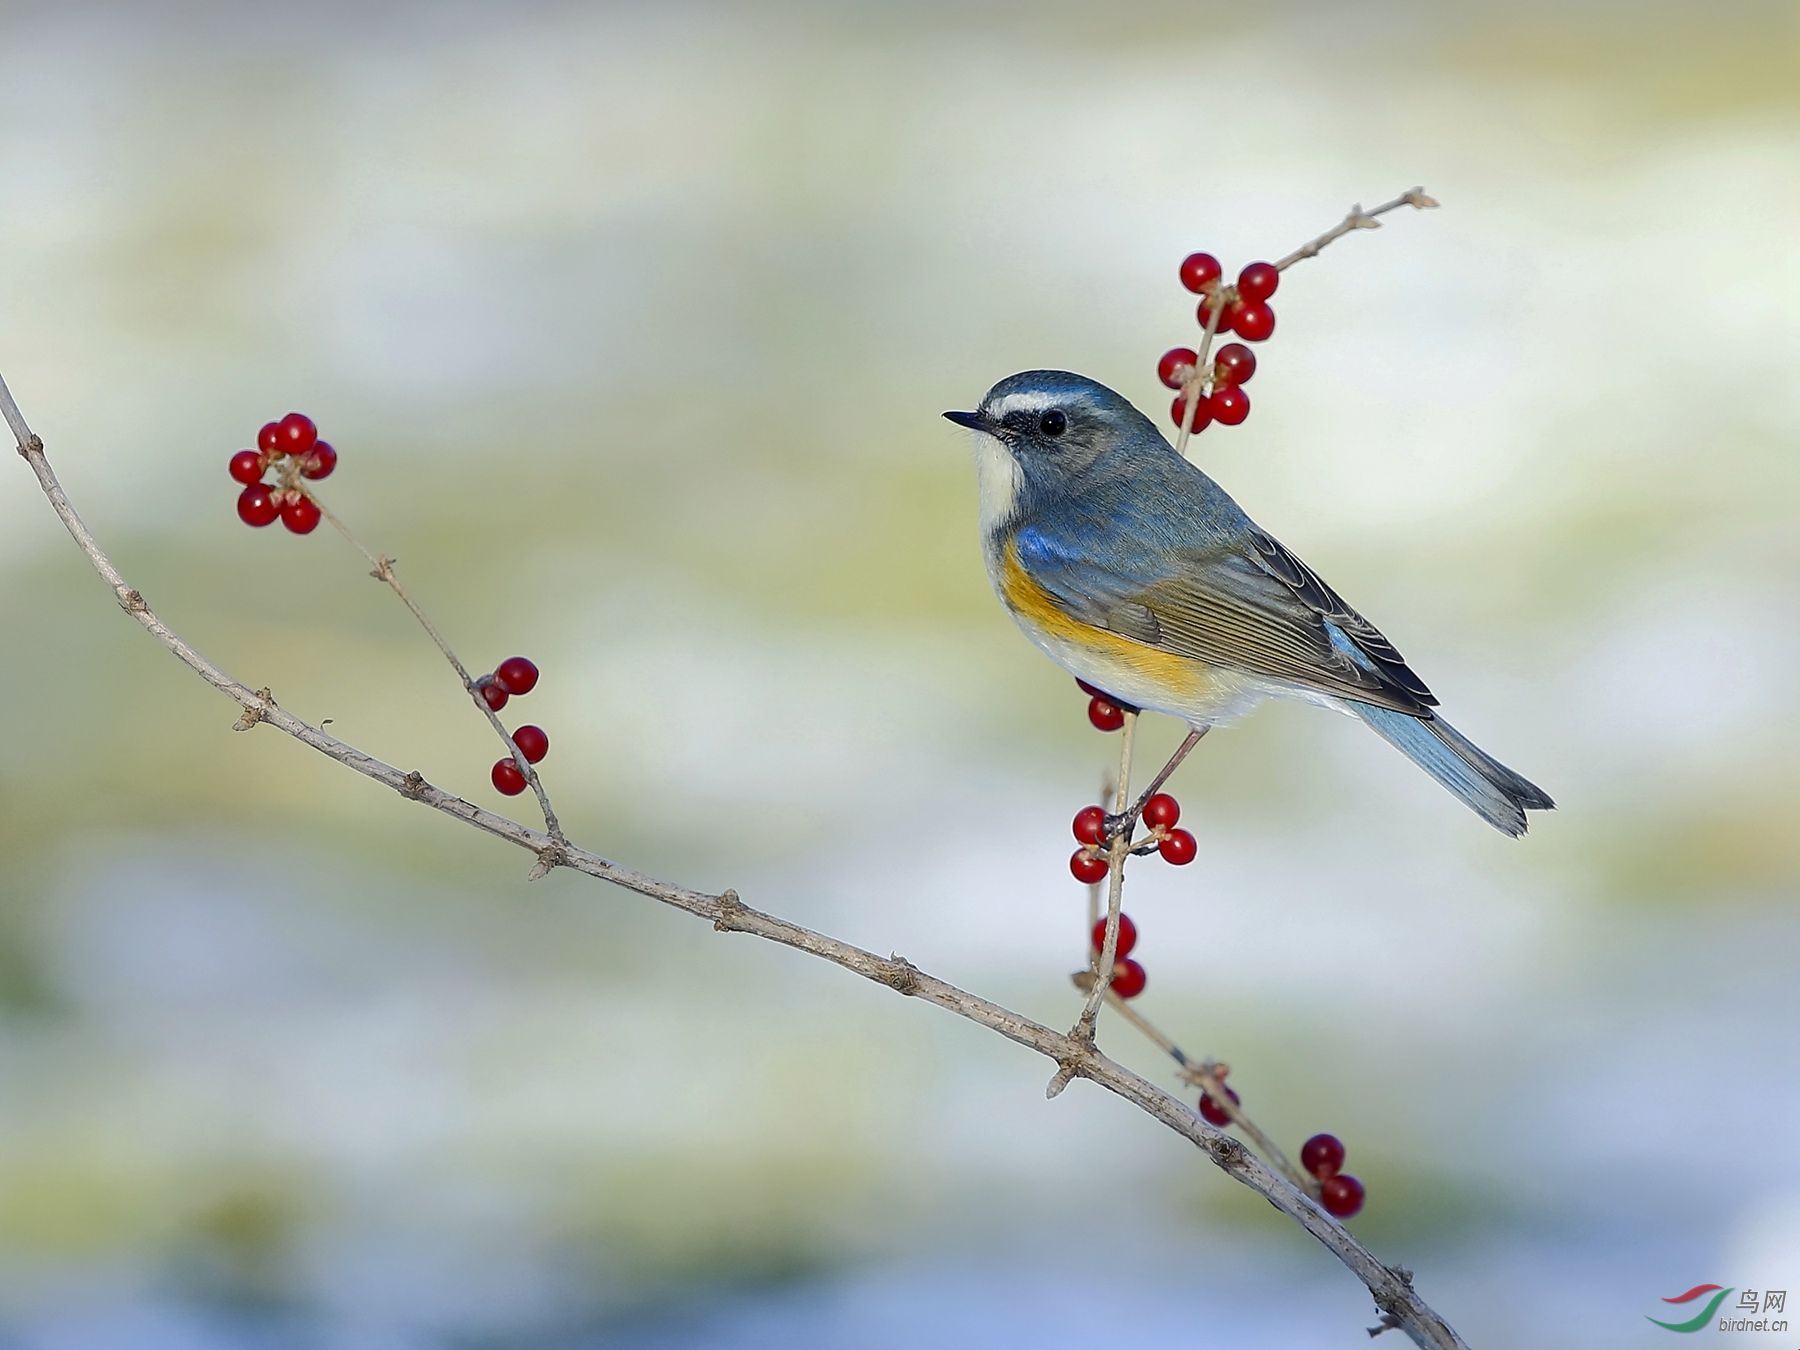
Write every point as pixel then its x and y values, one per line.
pixel 997 481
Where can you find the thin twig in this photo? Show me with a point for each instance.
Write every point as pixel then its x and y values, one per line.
pixel 1357 219
pixel 381 567
pixel 1207 1076
pixel 1115 887
pixel 1395 1299
pixel 1196 386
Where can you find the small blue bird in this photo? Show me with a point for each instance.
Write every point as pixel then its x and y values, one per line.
pixel 1137 573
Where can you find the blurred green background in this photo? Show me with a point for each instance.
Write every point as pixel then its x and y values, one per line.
pixel 632 324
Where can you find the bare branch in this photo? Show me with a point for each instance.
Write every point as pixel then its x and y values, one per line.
pixel 1358 219
pixel 1395 1299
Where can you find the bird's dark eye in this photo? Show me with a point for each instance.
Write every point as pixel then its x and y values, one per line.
pixel 1053 423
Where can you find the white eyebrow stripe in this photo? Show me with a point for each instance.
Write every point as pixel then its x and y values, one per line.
pixel 1026 400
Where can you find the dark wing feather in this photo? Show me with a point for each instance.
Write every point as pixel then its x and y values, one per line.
pixel 1328 604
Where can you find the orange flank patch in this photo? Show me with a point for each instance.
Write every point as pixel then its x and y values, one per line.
pixel 1132 669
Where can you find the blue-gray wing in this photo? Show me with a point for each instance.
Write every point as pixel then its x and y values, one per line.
pixel 1245 604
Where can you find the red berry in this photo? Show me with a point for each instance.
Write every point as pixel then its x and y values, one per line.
pixel 507 778
pixel 1170 369
pixel 268 440
pixel 1199 270
pixel 1087 866
pixel 300 514
pixel 295 434
pixel 1203 312
pixel 256 506
pixel 1091 691
pixel 1090 825
pixel 1322 1155
pixel 1341 1195
pixel 1127 936
pixel 1214 1114
pixel 1234 364
pixel 1258 281
pixel 492 694
pixel 1202 414
pixel 1230 405
pixel 1163 810
pixel 319 462
pixel 246 466
pixel 1129 979
pixel 1179 847
pixel 1252 319
pixel 532 742
pixel 516 675
pixel 1105 714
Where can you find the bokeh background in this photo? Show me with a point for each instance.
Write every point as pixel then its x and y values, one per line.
pixel 632 324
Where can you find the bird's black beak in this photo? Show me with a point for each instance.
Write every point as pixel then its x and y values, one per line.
pixel 973 421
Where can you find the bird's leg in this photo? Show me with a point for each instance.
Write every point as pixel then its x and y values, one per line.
pixel 1126 821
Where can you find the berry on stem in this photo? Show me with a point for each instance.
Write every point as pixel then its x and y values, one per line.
pixel 295 434
pixel 1234 364
pixel 1214 1114
pixel 491 694
pixel 268 440
pixel 1127 936
pixel 246 466
pixel 256 505
pixel 1088 866
pixel 300 514
pixel 1258 281
pixel 1090 825
pixel 1341 1195
pixel 516 675
pixel 1105 714
pixel 1202 413
pixel 1200 270
pixel 1179 847
pixel 1161 810
pixel 1252 320
pixel 1203 312
pixel 1229 404
pixel 1176 365
pixel 1322 1155
pixel 506 777
pixel 1129 978
pixel 319 461
pixel 532 742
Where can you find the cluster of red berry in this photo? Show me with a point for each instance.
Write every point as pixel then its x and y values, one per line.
pixel 1128 977
pixel 1089 862
pixel 293 449
pixel 1340 1193
pixel 513 677
pixel 1247 313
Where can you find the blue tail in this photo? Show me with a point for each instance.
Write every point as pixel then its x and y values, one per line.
pixel 1493 791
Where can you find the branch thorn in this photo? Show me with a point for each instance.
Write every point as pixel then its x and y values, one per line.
pixel 729 907
pixel 251 714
